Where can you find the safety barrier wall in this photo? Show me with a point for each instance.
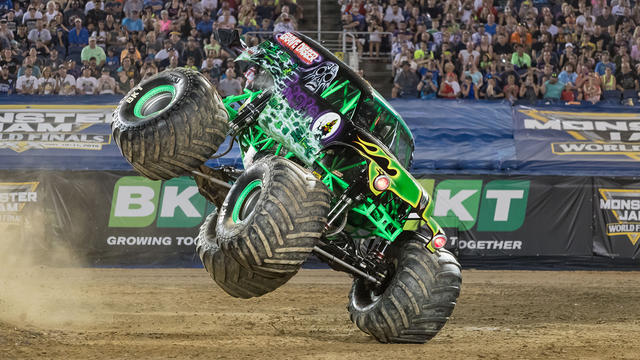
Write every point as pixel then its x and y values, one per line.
pixel 64 181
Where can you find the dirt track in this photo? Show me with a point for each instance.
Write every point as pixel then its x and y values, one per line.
pixel 157 313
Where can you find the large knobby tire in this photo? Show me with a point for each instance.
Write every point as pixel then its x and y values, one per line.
pixel 273 216
pixel 170 124
pixel 234 279
pixel 417 301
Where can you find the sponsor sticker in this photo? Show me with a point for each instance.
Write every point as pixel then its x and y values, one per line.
pixel 328 125
pixel 302 50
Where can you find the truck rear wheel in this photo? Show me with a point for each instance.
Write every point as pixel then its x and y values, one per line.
pixel 415 303
pixel 170 124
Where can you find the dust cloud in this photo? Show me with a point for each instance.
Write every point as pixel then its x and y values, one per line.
pixel 37 285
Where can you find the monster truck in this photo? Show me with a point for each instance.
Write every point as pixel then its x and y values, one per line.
pixel 325 172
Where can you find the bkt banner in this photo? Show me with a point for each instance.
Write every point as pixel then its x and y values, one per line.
pixel 118 219
pixel 523 216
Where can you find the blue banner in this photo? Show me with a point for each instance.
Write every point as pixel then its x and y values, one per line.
pixel 588 140
pixel 452 137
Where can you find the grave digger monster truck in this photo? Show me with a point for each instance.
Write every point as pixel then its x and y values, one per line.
pixel 325 172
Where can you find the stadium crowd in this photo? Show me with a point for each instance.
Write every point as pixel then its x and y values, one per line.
pixel 69 47
pixel 516 50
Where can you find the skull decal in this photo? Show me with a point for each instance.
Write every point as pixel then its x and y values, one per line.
pixel 317 78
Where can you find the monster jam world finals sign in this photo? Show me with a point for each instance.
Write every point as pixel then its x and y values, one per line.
pixel 14 196
pixel 25 127
pixel 588 135
pixel 621 208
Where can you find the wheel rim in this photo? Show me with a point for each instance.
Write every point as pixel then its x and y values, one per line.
pixel 367 294
pixel 154 101
pixel 246 201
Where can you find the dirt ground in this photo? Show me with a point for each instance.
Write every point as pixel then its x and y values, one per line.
pixel 181 313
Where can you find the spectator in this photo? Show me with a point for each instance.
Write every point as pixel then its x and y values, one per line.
pixel 606 19
pixel 65 83
pixel 95 15
pixel 428 87
pixel 474 73
pixel 205 26
pixel 162 57
pixel 31 17
pixel 284 24
pixel 132 5
pixel 8 61
pixel 193 50
pixel 511 89
pixel 226 20
pixel 552 88
pixel 627 81
pixel 529 90
pixel 93 51
pixel 156 6
pixel 6 82
pixel 450 88
pixel 567 93
pixel 72 12
pixel 393 14
pixel 230 85
pixel 124 83
pixel 27 84
pixel 148 70
pixel 520 59
pixel 491 90
pixel 6 35
pixel 406 82
pixel 568 76
pixel 469 89
pixel 133 23
pixel 375 38
pixel 130 70
pixel 605 63
pixel 130 51
pixel 608 80
pixel 5 6
pixel 591 90
pixel 78 36
pixel 39 33
pixel 86 84
pixel 46 83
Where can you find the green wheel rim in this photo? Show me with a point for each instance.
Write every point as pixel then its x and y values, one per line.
pixel 154 101
pixel 238 215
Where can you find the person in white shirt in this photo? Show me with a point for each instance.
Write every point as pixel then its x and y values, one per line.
pixel 209 5
pixel 106 84
pixel 166 52
pixel 39 33
pixel 47 84
pixel 86 84
pixel 622 8
pixel 51 12
pixel 65 83
pixel 393 13
pixel 31 15
pixel 27 84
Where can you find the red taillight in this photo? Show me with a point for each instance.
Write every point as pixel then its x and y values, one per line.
pixel 439 241
pixel 381 183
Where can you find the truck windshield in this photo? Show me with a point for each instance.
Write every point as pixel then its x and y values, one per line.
pixel 388 128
